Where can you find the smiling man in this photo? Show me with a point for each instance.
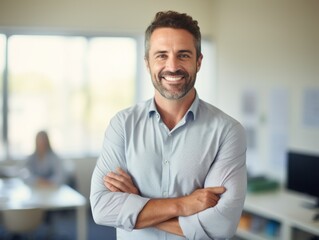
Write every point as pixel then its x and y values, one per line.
pixel 172 167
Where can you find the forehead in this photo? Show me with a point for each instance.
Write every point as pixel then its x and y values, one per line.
pixel 163 38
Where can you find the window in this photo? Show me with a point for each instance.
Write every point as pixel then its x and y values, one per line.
pixel 69 86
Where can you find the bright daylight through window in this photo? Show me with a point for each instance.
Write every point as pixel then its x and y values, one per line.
pixel 69 86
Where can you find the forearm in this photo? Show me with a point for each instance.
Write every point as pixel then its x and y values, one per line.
pixel 158 211
pixel 171 226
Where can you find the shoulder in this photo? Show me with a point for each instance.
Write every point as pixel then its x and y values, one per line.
pixel 216 115
pixel 133 113
pixel 227 128
pixel 217 121
pixel 125 120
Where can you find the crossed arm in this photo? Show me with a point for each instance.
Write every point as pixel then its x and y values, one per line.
pixel 163 213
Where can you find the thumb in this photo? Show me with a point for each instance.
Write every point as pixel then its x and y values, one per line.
pixel 218 190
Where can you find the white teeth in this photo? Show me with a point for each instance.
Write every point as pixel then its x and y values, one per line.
pixel 173 78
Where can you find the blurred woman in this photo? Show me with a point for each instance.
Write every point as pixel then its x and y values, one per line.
pixel 44 165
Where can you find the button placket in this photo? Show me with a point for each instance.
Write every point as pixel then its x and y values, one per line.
pixel 166 166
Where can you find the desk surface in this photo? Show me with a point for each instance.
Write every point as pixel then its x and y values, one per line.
pixel 284 206
pixel 14 194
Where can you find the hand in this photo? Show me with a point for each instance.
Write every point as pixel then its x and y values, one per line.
pixel 200 200
pixel 120 182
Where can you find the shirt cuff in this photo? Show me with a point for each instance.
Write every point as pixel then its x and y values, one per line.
pixel 129 212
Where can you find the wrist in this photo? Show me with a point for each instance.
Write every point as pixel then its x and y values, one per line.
pixel 179 207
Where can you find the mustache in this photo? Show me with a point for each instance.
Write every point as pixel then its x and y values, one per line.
pixel 176 73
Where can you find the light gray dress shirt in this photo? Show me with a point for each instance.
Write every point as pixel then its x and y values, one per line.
pixel 206 148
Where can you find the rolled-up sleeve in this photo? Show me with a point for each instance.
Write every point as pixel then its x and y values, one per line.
pixel 228 170
pixel 115 209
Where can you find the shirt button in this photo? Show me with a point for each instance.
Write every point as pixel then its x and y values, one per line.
pixel 165 194
pixel 166 162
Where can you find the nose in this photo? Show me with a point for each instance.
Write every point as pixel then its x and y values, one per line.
pixel 172 63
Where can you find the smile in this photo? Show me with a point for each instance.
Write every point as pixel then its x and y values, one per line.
pixel 174 78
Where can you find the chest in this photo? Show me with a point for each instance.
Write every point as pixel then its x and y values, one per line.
pixel 174 163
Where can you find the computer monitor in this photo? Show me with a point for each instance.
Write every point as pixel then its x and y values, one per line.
pixel 303 174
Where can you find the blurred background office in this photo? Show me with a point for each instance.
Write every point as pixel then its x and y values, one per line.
pixel 69 66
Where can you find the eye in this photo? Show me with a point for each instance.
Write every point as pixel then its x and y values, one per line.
pixel 184 56
pixel 161 56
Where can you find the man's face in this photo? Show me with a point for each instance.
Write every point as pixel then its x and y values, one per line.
pixel 172 62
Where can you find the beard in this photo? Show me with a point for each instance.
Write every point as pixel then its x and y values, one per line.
pixel 178 90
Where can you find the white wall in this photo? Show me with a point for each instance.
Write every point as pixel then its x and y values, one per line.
pixel 115 16
pixel 264 46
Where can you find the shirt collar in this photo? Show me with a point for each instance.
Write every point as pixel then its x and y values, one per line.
pixel 190 114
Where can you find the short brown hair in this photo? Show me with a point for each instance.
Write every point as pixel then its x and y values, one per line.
pixel 172 19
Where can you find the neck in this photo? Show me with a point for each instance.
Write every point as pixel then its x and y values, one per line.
pixel 172 111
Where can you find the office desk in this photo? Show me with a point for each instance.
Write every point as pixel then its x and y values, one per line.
pixel 14 194
pixel 286 208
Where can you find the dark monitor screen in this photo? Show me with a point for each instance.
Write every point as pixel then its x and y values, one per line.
pixel 303 174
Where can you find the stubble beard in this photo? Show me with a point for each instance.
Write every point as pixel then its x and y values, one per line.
pixel 180 90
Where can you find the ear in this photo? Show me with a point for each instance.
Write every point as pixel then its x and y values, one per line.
pixel 199 62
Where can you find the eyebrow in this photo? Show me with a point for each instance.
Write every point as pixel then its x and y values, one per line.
pixel 180 51
pixel 159 52
pixel 185 51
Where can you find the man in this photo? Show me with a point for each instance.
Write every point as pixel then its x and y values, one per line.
pixel 172 167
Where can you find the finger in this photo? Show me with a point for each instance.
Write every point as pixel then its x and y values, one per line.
pixel 111 187
pixel 114 181
pixel 121 183
pixel 124 174
pixel 121 176
pixel 213 203
pixel 131 188
pixel 217 190
pixel 116 177
pixel 115 185
pixel 212 199
pixel 215 198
